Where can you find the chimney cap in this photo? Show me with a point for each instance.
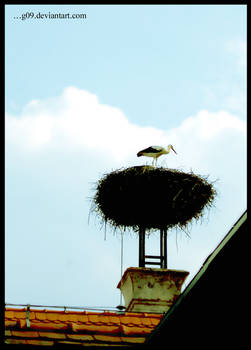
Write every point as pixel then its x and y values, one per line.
pixel 150 271
pixel 151 289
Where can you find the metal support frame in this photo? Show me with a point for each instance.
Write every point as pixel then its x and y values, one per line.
pixel 162 263
pixel 163 248
pixel 142 234
pixel 28 316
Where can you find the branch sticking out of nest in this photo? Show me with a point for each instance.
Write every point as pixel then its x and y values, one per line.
pixel 153 198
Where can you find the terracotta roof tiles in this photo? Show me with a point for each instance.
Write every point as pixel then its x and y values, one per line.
pixel 51 327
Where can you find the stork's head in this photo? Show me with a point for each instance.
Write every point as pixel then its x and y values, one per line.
pixel 171 147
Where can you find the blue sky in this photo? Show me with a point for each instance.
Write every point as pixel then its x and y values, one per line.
pixel 83 96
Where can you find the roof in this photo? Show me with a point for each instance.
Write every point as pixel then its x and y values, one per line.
pixel 209 308
pixel 52 327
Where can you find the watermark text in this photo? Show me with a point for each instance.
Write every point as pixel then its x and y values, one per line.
pixel 39 15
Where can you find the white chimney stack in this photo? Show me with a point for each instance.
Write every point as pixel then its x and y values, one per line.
pixel 152 290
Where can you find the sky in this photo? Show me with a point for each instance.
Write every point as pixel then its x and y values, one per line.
pixel 82 97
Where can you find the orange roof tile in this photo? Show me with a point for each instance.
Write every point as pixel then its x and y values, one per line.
pixel 133 340
pixel 51 327
pixel 83 337
pixel 93 328
pixel 9 323
pixel 39 342
pixel 52 335
pixel 107 338
pixel 25 334
pixel 134 330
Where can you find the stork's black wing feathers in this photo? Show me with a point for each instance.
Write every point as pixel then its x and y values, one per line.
pixel 150 150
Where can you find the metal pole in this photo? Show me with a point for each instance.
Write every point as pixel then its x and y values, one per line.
pixel 141 247
pixel 165 249
pixel 121 264
pixel 161 249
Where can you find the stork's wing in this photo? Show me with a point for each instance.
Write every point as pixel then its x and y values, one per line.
pixel 152 149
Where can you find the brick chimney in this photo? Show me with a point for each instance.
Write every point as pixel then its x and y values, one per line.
pixel 151 289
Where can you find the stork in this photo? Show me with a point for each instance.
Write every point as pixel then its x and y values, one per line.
pixel 155 152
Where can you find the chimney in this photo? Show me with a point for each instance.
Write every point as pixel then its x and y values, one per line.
pixel 151 290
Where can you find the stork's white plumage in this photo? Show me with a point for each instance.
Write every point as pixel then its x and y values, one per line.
pixel 155 152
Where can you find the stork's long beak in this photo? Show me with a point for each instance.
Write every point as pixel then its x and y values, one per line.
pixel 174 150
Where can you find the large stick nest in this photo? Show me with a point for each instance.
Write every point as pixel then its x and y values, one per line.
pixel 153 198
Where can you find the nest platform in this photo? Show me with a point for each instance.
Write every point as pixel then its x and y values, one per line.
pixel 152 198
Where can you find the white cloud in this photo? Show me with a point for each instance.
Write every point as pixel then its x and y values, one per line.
pixel 208 125
pixel 212 143
pixel 77 121
pixel 207 143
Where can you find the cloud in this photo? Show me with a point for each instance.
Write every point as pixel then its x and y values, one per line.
pixel 77 121
pixel 212 143
pixel 208 125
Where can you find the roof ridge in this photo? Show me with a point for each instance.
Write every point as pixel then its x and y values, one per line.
pixel 84 312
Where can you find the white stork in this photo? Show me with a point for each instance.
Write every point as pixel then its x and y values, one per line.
pixel 155 152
